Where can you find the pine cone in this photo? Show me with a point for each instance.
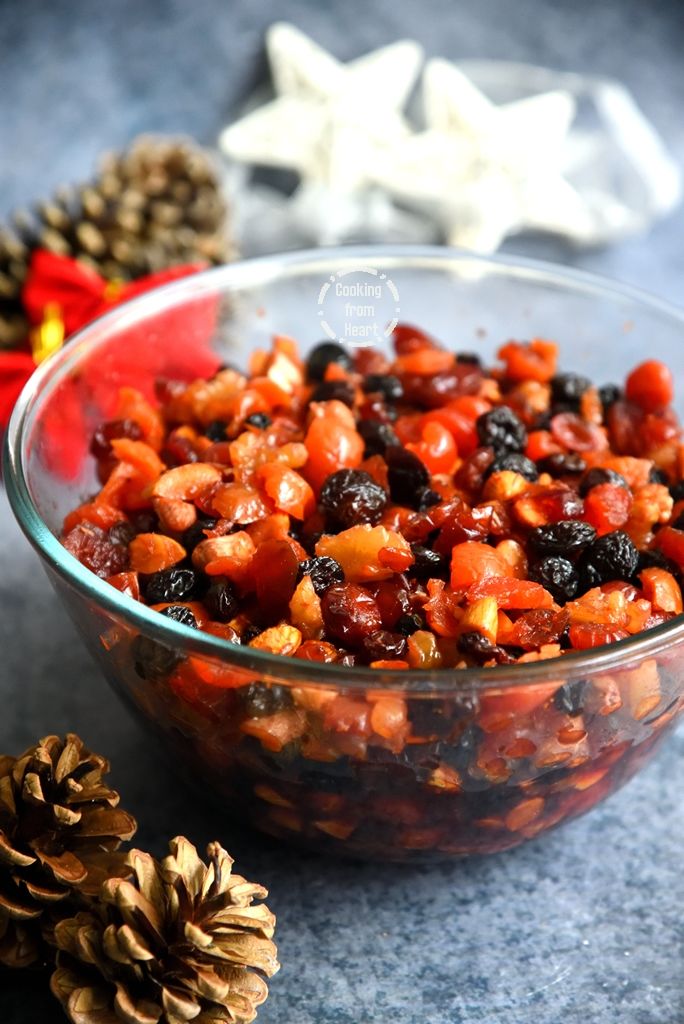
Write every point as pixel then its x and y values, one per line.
pixel 14 257
pixel 59 830
pixel 179 942
pixel 154 206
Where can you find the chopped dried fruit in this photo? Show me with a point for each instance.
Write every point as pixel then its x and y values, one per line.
pixel 420 514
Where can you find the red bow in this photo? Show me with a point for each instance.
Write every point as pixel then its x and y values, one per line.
pixel 59 297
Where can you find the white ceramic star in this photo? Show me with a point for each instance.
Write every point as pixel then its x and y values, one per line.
pixel 329 119
pixel 486 171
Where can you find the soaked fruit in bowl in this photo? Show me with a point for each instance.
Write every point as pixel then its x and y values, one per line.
pixel 411 513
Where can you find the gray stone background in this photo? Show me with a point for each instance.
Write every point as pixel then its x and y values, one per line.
pixel 585 925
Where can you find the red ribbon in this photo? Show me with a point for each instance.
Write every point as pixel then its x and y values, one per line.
pixel 62 286
pixel 80 295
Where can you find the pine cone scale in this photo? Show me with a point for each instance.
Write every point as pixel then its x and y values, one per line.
pixel 8 855
pixel 105 821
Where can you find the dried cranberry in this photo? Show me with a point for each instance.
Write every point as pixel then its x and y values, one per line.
pixel 350 613
pixel 94 548
pixel 105 433
pixel 562 464
pixel 383 645
pixel 432 392
pixel 349 497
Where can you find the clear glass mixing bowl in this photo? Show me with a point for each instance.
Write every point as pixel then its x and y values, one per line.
pixel 494 757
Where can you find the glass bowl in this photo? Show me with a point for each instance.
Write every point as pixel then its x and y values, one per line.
pixel 494 756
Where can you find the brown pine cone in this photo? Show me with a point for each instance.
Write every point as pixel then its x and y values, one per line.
pixel 59 829
pixel 155 205
pixel 179 942
pixel 152 206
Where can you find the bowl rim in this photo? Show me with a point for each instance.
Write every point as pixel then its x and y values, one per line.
pixel 262 270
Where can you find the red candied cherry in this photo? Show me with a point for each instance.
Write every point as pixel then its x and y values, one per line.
pixel 650 385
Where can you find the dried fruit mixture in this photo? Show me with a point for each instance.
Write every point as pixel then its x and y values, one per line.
pixel 416 512
pixel 420 511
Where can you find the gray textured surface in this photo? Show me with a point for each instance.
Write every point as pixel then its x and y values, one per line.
pixel 585 924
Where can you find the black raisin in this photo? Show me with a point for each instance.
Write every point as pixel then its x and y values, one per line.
pixel 324 572
pixel 655 559
pixel 597 476
pixel 677 523
pixel 153 661
pixel 568 537
pixel 427 563
pixel 195 534
pixel 385 384
pixel 609 395
pixel 657 476
pixel 480 648
pixel 558 576
pixel 121 534
pixel 570 697
pixel 427 499
pixel 349 497
pixel 562 464
pixel 259 700
pixel 248 633
pixel 383 645
pixel 611 557
pixel 515 462
pixel 468 358
pixel 407 476
pixel 260 420
pixel 501 430
pixel 144 521
pixel 217 431
pixel 323 355
pixel 568 388
pixel 340 390
pixel 409 622
pixel 180 613
pixel 220 601
pixel 377 436
pixel 171 585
